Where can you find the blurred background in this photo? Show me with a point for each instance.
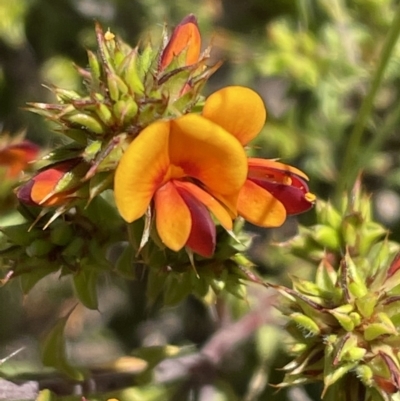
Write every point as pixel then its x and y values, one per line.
pixel 311 61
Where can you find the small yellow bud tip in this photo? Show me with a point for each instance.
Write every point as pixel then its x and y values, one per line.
pixel 109 35
pixel 310 197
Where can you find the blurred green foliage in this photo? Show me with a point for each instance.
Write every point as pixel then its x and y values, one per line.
pixel 312 61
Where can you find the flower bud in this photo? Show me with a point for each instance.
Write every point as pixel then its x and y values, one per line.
pixel 305 323
pixel 379 328
pixel 61 233
pixel 125 110
pixel 104 113
pixel 54 185
pixel 326 236
pixel 39 247
pixel 87 122
pixel 185 38
pixel 116 86
pixel 129 69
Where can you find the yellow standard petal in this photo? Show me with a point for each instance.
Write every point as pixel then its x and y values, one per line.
pixel 205 151
pixel 173 218
pixel 141 170
pixel 259 207
pixel 238 110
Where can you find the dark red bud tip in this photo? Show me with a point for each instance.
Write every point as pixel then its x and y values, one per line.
pixel 188 19
pixel 24 193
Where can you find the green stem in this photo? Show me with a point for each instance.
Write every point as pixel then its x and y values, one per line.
pixel 348 172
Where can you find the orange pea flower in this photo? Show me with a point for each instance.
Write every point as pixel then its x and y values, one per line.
pixel 185 37
pixel 14 158
pixel 272 190
pixel 185 168
pixel 54 185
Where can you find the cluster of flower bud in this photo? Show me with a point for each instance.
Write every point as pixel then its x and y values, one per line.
pixel 73 245
pixel 344 324
pixel 126 90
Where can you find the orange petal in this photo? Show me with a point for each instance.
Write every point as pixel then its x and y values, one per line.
pixel 141 170
pixel 186 36
pixel 259 207
pixel 239 110
pixel 221 214
pixel 173 219
pixel 261 165
pixel 46 181
pixel 205 151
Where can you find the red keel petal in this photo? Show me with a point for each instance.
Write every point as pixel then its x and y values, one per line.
pixel 202 238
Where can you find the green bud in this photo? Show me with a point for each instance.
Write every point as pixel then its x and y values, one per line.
pixel 366 304
pixel 348 350
pixel 91 150
pixel 382 326
pixel 356 284
pixel 99 97
pixel 350 233
pixel 116 87
pixel 119 55
pixel 356 318
pixel 104 114
pixel 354 354
pixel 328 215
pixel 326 236
pixel 129 71
pixel 65 95
pixel 146 58
pixel 305 323
pixel 61 234
pixel 371 233
pixel 346 309
pixel 95 68
pixel 306 287
pixel 125 110
pixel 39 247
pixel 342 316
pixel 297 348
pixel 74 248
pixel 326 277
pixel 365 374
pixel 87 122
